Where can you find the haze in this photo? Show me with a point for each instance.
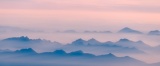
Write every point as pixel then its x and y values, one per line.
pixel 65 21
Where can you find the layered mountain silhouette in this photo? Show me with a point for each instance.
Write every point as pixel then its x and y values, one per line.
pixel 26 51
pixel 15 43
pixel 94 46
pixel 20 39
pixel 92 51
pixel 154 32
pixel 128 43
pixel 10 29
pixel 129 30
pixel 90 46
pixel 83 42
pixel 28 57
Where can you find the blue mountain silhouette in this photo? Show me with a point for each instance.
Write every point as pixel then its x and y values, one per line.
pixel 122 46
pixel 22 38
pixel 79 42
pixel 29 50
pixel 128 43
pixel 129 30
pixel 154 32
pixel 15 43
pixel 60 57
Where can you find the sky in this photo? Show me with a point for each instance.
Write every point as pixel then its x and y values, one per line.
pixel 81 14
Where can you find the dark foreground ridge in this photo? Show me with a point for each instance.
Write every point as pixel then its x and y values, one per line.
pixel 28 57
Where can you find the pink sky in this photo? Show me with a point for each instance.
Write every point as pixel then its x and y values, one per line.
pixel 81 14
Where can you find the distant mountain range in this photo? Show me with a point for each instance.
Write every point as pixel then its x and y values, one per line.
pixel 86 31
pixel 94 46
pixel 90 51
pixel 154 32
pixel 125 30
pixel 83 42
pixel 28 57
pixel 15 43
pixel 90 46
pixel 121 46
pixel 129 43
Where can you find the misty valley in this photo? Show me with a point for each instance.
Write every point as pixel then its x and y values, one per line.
pixel 23 51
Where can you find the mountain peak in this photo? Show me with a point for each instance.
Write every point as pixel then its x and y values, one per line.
pixel 77 53
pixel 111 55
pixel 140 42
pixel 129 30
pixel 59 52
pixel 126 29
pixel 79 42
pixel 22 38
pixel 28 50
pixel 93 40
pixel 80 39
pixel 124 40
pixel 108 55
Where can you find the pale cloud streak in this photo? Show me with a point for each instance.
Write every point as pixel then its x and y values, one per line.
pixel 79 14
pixel 94 5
